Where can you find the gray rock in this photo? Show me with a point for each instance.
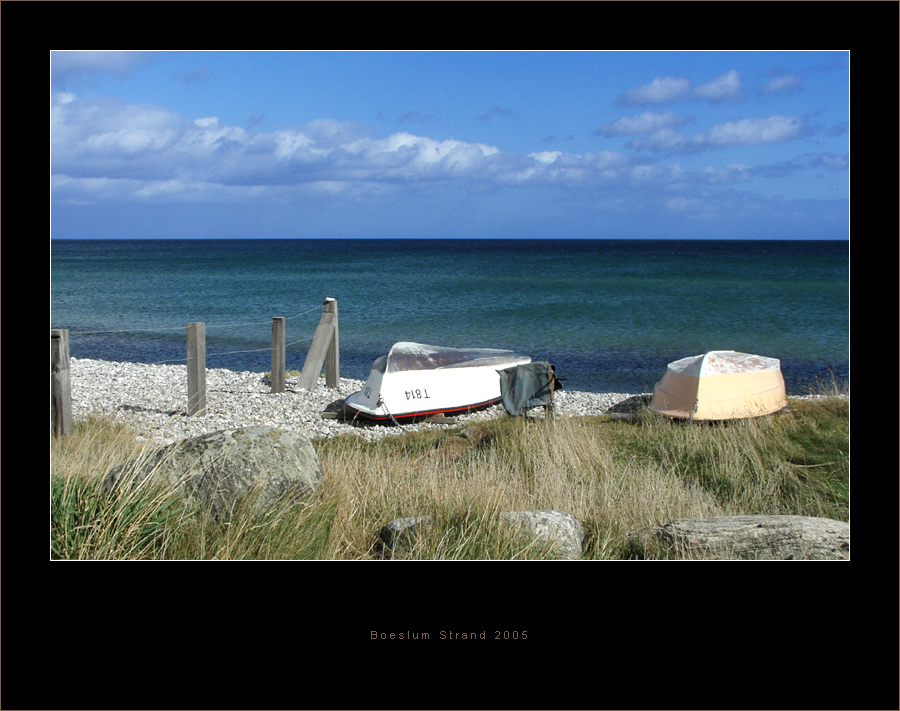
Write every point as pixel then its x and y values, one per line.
pixel 561 530
pixel 403 532
pixel 758 537
pixel 222 467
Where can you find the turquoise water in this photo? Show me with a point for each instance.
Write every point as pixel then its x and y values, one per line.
pixel 609 313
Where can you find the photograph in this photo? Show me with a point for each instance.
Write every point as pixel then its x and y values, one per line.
pixel 450 305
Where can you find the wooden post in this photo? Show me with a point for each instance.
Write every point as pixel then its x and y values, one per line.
pixel 324 345
pixel 196 367
pixel 548 409
pixel 60 383
pixel 278 354
pixel 333 356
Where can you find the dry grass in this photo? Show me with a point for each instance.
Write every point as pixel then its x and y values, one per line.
pixel 88 522
pixel 615 477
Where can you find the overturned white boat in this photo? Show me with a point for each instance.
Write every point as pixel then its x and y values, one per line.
pixel 415 381
pixel 720 385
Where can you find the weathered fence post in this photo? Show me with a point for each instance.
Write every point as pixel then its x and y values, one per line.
pixel 196 367
pixel 333 356
pixel 60 383
pixel 278 354
pixel 324 345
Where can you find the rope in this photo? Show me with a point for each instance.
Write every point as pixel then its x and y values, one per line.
pixel 126 330
pixel 218 325
pixel 181 328
pixel 390 414
pixel 252 350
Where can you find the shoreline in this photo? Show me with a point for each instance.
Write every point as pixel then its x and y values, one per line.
pixel 152 399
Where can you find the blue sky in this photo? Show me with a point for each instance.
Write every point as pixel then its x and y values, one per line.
pixel 543 144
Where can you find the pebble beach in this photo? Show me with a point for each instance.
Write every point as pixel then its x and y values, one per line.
pixel 152 399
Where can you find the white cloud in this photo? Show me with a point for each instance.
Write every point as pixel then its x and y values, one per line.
pixel 556 167
pixel 726 87
pixel 743 132
pixel 731 173
pixel 835 162
pixel 807 161
pixel 645 123
pixel 660 90
pixel 753 132
pixel 66 65
pixel 665 139
pixel 287 145
pixel 546 157
pixel 787 83
pixel 109 139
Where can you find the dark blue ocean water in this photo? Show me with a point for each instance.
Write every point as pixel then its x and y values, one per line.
pixel 611 314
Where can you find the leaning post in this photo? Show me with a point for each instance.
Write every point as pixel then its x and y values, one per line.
pixel 324 345
pixel 60 383
pixel 278 364
pixel 196 367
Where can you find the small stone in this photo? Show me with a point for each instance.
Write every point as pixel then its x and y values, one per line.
pixel 561 530
pixel 152 399
pixel 402 532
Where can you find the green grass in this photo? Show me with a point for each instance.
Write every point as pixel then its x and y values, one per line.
pixel 615 476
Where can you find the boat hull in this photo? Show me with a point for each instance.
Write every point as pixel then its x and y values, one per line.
pixel 720 385
pixel 400 387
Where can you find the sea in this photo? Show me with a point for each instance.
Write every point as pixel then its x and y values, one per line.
pixel 609 314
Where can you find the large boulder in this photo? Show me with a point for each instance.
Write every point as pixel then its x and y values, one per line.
pixel 758 537
pixel 220 468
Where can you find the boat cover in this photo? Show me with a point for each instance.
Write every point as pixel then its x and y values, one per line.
pixel 528 385
pixel 406 356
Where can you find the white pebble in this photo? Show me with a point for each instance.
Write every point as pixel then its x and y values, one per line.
pixel 153 399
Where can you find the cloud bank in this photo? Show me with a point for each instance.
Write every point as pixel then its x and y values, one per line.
pixel 97 142
pixel 108 152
